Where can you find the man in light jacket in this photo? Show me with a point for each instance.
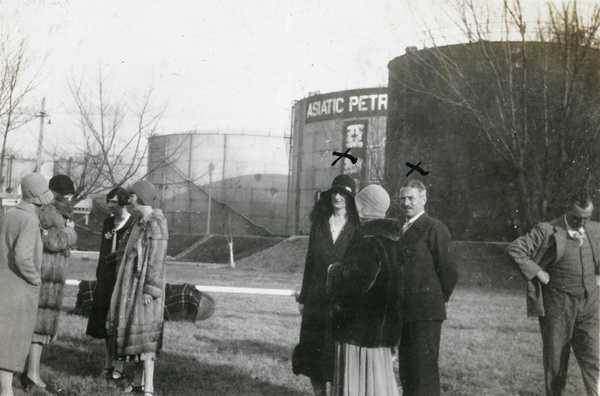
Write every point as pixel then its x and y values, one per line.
pixel 560 260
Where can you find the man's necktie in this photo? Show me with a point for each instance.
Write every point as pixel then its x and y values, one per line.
pixel 580 236
pixel 406 226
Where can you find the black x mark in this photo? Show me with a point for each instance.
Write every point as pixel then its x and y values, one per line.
pixel 417 168
pixel 344 154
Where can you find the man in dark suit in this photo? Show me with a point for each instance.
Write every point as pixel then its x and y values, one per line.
pixel 429 276
pixel 561 262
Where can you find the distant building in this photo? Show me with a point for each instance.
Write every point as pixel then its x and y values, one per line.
pixel 16 167
pixel 353 120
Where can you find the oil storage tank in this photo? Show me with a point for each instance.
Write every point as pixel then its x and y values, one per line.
pixel 214 182
pixel 503 131
pixel 322 124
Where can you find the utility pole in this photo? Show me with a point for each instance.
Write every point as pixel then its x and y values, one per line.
pixel 211 167
pixel 42 115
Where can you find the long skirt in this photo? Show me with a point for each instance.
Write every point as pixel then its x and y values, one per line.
pixel 363 372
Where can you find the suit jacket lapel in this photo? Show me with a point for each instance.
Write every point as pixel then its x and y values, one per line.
pixel 415 230
pixel 560 235
pixel 594 238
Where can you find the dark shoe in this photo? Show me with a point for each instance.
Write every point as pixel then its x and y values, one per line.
pixel 28 384
pixel 54 389
pixel 107 372
pixel 135 390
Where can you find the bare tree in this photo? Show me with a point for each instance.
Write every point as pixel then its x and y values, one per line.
pixel 17 81
pixel 228 232
pixel 115 136
pixel 530 91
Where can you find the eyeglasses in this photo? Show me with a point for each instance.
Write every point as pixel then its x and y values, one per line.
pixel 131 192
pixel 112 200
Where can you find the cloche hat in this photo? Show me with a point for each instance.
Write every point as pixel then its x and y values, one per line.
pixel 144 191
pixel 372 202
pixel 34 188
pixel 344 183
pixel 62 184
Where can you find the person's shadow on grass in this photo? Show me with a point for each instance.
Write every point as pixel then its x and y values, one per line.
pixel 247 347
pixel 76 363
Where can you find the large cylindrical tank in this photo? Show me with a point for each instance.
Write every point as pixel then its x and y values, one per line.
pixel 243 175
pixel 353 120
pixel 483 119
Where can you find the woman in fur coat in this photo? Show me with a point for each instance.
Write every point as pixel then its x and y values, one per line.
pixel 58 239
pixel 366 289
pixel 136 316
pixel 334 219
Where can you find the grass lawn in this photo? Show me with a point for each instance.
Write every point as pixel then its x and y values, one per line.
pixel 489 347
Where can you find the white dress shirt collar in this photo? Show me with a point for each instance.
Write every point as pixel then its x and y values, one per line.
pixel 415 217
pixel 571 229
pixel 573 233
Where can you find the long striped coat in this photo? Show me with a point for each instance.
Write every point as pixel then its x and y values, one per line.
pixel 58 240
pixel 135 328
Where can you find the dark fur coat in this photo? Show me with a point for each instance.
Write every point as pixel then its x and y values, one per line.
pixel 367 288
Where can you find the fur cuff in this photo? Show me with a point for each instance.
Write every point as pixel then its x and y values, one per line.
pixel 387 228
pixel 154 291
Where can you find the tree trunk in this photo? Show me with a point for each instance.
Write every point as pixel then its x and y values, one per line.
pixel 525 198
pixel 231 261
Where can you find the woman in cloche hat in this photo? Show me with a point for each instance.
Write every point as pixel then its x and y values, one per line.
pixel 136 316
pixel 58 238
pixel 366 289
pixel 334 219
pixel 20 261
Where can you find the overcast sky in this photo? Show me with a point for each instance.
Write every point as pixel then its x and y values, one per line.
pixel 223 64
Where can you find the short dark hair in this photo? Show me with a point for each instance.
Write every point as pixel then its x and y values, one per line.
pixel 121 194
pixel 414 183
pixel 323 208
pixel 580 197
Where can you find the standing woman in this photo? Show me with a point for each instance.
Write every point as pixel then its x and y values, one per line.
pixel 115 227
pixel 20 261
pixel 366 289
pixel 136 316
pixel 334 219
pixel 58 237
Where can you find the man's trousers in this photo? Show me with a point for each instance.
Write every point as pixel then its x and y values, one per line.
pixel 418 355
pixel 570 323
